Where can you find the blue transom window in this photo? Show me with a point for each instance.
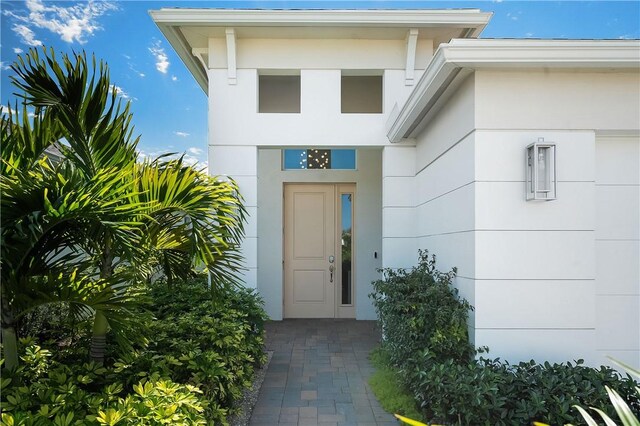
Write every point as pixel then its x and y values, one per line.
pixel 312 158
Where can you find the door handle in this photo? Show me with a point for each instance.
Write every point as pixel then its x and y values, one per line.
pixel 331 268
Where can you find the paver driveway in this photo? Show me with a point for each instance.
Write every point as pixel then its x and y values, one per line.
pixel 318 375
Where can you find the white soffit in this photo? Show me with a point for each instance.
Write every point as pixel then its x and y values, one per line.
pixel 188 29
pixel 453 61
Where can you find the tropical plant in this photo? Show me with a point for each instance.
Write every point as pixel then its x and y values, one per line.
pixel 44 208
pixel 44 392
pixel 99 212
pixel 202 352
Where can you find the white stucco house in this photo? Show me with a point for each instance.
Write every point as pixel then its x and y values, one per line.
pixel 361 136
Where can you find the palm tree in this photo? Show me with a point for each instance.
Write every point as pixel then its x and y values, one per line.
pixel 148 215
pixel 44 208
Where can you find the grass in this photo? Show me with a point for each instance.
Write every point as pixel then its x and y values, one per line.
pixel 385 383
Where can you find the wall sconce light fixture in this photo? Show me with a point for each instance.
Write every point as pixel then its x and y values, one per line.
pixel 541 171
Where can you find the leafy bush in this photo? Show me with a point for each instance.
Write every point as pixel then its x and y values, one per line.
pixel 43 391
pixel 210 340
pixel 491 392
pixel 424 322
pixel 201 353
pixel 419 310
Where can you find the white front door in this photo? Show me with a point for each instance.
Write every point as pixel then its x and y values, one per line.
pixel 313 251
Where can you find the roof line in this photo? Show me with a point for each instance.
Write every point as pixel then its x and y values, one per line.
pixel 453 61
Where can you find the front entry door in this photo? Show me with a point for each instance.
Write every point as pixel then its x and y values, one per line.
pixel 312 268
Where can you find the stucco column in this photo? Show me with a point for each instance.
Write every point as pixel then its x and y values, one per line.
pixel 240 163
pixel 399 225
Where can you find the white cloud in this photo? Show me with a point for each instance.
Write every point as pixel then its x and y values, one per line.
pixel 181 134
pixel 528 35
pixel 174 78
pixel 135 70
pixel 120 92
pixel 190 160
pixel 4 66
pixel 17 50
pixel 512 16
pixel 28 36
pixel 186 157
pixel 162 60
pixel 72 23
pixel 195 151
pixel 4 110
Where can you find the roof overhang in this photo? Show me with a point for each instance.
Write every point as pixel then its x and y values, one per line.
pixel 188 29
pixel 454 61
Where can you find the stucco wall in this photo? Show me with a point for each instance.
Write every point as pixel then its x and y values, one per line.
pixel 367 223
pixel 536 290
pixel 553 99
pixel 279 54
pixel 534 277
pixel 234 117
pixel 233 108
pixel 445 195
pixel 241 163
pixel 617 235
pixel 549 280
pixel 237 130
pixel 399 219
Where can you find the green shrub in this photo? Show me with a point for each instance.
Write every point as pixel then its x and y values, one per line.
pixel 212 340
pixel 491 392
pixel 200 354
pixel 424 323
pixel 43 391
pixel 419 310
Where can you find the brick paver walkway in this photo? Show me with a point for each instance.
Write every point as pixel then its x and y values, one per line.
pixel 318 375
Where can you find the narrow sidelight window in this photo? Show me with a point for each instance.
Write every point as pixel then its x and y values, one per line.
pixel 346 291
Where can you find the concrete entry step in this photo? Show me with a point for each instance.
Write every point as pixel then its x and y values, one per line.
pixel 319 374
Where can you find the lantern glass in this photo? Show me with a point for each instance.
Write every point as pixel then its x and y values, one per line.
pixel 541 171
pixel 544 180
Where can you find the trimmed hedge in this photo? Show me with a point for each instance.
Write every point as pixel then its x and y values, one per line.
pixel 493 392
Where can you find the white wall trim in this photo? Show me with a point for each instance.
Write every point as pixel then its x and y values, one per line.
pixel 472 18
pixel 170 21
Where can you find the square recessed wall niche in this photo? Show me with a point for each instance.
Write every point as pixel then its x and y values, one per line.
pixel 279 93
pixel 361 94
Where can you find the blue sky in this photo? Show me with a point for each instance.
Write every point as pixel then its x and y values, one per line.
pixel 170 109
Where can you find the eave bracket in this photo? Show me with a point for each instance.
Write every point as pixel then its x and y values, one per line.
pixel 412 41
pixel 231 55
